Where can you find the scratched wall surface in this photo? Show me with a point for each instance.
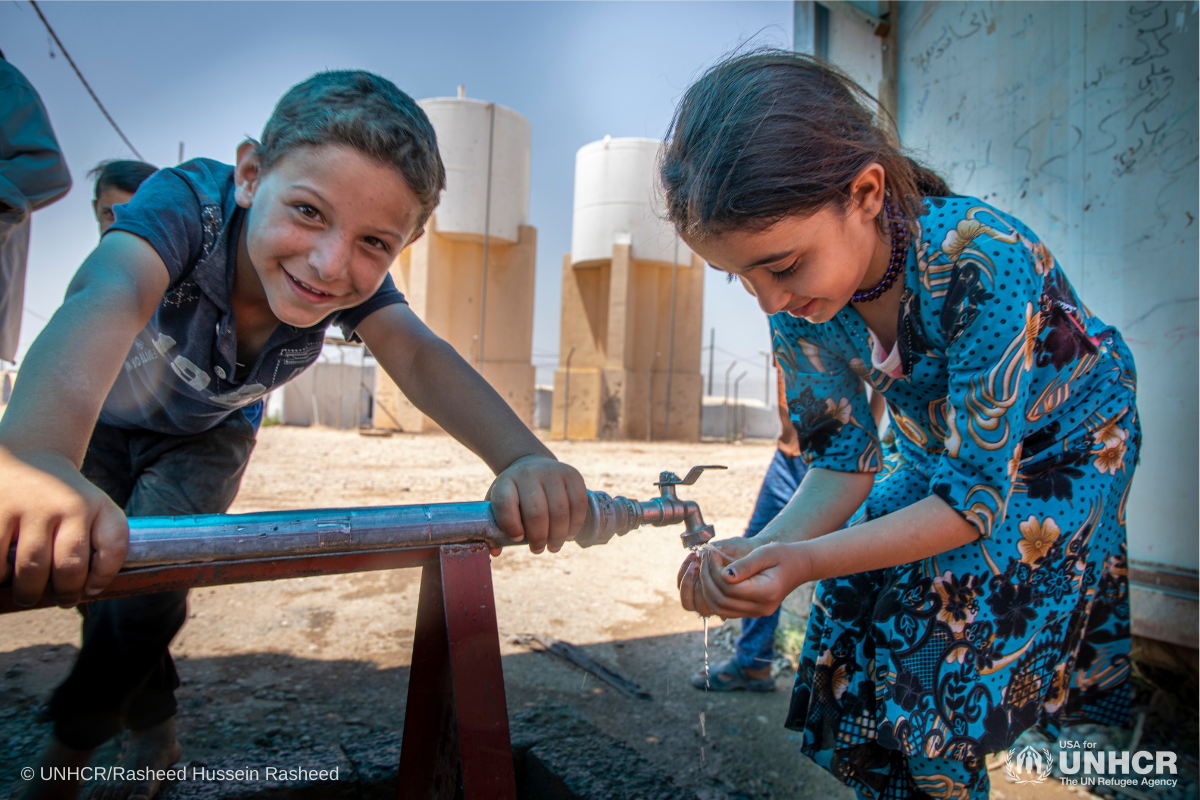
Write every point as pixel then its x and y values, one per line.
pixel 1081 120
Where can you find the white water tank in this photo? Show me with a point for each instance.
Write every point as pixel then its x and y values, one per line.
pixel 462 127
pixel 617 200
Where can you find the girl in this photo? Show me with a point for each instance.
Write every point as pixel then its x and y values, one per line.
pixel 984 589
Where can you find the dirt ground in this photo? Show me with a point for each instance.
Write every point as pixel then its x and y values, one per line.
pixel 321 660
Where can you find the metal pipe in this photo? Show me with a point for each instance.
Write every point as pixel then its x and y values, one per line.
pixel 277 537
pixel 671 342
pixel 174 541
pixel 650 396
pixel 567 392
pixel 487 230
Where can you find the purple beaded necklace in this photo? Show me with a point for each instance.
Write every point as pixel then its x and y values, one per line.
pixel 899 256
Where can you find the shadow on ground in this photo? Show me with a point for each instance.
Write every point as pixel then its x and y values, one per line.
pixel 266 709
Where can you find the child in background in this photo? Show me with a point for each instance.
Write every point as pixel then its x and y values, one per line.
pixel 116 182
pixel 33 174
pixel 754 651
pixel 214 285
pixel 985 591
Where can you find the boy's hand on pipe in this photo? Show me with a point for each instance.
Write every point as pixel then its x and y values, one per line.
pixel 539 499
pixel 753 585
pixel 70 537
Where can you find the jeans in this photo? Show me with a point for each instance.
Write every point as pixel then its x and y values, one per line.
pixel 755 648
pixel 124 676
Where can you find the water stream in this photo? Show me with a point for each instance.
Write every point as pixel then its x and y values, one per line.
pixel 701 550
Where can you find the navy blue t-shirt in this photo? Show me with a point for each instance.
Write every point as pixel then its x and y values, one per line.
pixel 179 376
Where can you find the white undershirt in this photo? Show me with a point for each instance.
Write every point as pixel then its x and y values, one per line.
pixel 889 363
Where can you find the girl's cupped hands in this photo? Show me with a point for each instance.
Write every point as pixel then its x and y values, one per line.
pixel 735 578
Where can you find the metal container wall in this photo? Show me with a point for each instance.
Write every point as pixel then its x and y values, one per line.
pixel 1079 119
pixel 616 201
pixel 462 127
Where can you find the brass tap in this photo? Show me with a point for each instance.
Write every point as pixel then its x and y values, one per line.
pixel 617 516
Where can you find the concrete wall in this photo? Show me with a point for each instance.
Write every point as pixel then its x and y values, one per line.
pixel 1080 119
pixel 745 419
pixel 333 395
pixel 543 407
pixel 442 278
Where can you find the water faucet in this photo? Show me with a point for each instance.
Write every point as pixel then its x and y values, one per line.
pixel 616 516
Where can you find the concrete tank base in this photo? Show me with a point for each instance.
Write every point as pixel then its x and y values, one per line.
pixel 441 276
pixel 616 315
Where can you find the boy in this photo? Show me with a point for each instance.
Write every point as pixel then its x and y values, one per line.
pixel 224 279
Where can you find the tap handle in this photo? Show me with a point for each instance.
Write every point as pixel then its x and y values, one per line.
pixel 671 479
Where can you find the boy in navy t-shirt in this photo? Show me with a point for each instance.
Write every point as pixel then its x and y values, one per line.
pixel 214 285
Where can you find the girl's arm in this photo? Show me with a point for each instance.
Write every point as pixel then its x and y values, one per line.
pixel 755 585
pixel 825 500
pixel 534 495
pixel 56 516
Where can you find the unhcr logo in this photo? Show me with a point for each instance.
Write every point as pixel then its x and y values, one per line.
pixel 1028 765
pixel 1112 768
pixel 1083 764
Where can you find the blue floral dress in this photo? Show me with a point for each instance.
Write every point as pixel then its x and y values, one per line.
pixel 1017 407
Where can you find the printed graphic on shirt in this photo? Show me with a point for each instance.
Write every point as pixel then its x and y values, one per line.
pixel 211 222
pixel 236 399
pixel 140 355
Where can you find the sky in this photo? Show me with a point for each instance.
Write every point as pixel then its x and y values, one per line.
pixel 208 74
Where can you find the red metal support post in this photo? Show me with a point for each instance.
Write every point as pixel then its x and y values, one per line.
pixel 456 719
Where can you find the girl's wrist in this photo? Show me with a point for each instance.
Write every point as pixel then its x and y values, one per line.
pixel 801 569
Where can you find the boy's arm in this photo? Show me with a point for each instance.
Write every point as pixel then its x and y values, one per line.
pixel 56 516
pixel 534 495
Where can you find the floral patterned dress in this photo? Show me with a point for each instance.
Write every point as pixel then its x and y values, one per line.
pixel 1017 407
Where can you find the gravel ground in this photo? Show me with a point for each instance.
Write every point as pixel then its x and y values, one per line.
pixel 322 663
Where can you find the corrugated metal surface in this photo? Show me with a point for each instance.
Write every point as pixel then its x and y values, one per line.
pixel 1081 120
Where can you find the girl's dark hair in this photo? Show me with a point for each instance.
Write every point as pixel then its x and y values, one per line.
pixel 124 175
pixel 366 112
pixel 773 133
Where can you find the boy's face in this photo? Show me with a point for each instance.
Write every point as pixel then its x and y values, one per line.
pixel 325 226
pixel 102 206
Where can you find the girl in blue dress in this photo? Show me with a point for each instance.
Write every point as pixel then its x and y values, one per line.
pixel 983 590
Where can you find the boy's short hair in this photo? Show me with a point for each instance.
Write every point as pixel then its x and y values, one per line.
pixel 364 111
pixel 124 175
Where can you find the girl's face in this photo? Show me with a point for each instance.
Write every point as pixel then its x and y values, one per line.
pixel 325 224
pixel 808 266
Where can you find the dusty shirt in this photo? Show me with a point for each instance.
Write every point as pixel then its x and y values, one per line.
pixel 179 376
